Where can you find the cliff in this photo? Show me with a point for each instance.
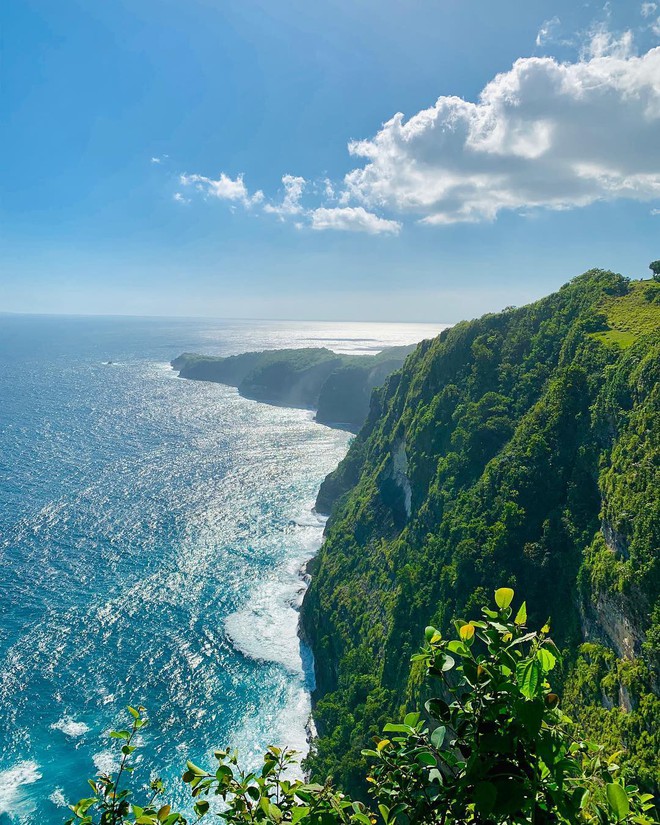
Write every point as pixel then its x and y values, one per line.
pixel 338 387
pixel 520 449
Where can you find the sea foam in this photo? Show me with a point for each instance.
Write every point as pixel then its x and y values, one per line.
pixel 266 629
pixel 70 727
pixel 11 782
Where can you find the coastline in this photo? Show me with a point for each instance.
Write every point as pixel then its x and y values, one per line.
pixel 273 402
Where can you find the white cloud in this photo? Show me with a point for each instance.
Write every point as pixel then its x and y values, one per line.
pixel 179 198
pixel 224 188
pixel 352 218
pixel 648 9
pixel 544 134
pixel 655 211
pixel 329 189
pixel 290 205
pixel 547 31
pixel 601 42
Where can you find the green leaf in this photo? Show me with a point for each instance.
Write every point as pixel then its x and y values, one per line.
pixel 485 795
pixel 426 758
pixel 531 715
pixel 274 812
pixel 299 812
pixel 458 647
pixel 546 659
pixel 448 663
pixel 521 615
pixel 437 708
pixel 618 800
pixel 194 769
pixel 201 807
pixel 503 597
pixel 411 719
pixel 438 736
pixel 134 713
pixel 528 675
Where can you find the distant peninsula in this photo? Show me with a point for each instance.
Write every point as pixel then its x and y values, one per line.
pixel 337 386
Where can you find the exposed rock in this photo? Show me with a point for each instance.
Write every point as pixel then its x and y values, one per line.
pixel 400 472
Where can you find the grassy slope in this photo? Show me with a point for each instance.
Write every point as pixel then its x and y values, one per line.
pixel 630 316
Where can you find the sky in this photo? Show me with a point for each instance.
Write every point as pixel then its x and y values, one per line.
pixel 399 160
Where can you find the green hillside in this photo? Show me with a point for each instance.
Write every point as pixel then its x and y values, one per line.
pixel 520 448
pixel 338 387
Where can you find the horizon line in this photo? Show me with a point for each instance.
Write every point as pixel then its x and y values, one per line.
pixel 18 313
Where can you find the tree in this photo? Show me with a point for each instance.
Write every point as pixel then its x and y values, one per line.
pixel 499 751
pixel 654 266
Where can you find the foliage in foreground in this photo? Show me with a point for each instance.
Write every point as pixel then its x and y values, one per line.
pixel 494 748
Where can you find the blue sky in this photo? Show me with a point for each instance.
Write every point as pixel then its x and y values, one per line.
pixel 192 158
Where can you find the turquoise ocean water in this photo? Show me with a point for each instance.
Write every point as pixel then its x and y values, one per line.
pixel 151 535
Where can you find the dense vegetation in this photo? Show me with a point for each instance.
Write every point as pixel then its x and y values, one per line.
pixel 500 752
pixel 522 447
pixel 338 387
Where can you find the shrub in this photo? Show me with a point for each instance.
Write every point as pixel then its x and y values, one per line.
pixel 494 748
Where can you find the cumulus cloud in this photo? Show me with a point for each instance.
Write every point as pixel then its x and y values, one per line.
pixel 354 219
pixel 290 205
pixel 544 134
pixel 224 188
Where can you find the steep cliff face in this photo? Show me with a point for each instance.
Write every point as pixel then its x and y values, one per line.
pixel 519 449
pixel 338 387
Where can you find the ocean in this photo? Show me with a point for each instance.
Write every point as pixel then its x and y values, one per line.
pixel 152 533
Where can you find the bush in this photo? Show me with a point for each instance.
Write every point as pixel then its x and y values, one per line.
pixel 494 748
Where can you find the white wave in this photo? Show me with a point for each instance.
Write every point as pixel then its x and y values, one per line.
pixel 105 761
pixel 310 518
pixel 70 727
pixel 11 782
pixel 266 628
pixel 164 367
pixel 288 726
pixel 57 798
